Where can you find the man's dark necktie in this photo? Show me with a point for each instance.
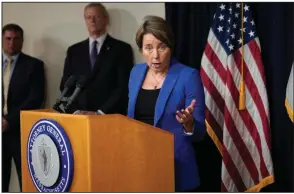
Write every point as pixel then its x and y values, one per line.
pixel 94 53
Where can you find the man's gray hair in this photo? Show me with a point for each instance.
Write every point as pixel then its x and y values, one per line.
pixel 100 6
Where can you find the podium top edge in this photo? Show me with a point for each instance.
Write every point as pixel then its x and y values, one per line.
pixel 53 112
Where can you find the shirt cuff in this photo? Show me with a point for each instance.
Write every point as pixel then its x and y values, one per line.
pixel 189 133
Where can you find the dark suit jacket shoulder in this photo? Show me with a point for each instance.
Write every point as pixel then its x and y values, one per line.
pixel 107 81
pixel 77 46
pixel 35 61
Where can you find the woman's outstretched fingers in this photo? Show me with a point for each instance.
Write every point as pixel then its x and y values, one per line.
pixel 190 108
pixel 179 119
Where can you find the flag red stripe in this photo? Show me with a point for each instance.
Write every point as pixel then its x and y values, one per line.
pixel 245 115
pixel 252 45
pixel 248 122
pixel 249 82
pixel 214 60
pixel 209 85
pixel 214 125
pixel 241 147
pixel 232 170
pixel 211 89
pixel 223 187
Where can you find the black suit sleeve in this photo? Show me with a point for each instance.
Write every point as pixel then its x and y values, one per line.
pixel 34 99
pixel 119 97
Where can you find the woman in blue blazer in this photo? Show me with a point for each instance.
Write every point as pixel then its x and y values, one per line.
pixel 169 95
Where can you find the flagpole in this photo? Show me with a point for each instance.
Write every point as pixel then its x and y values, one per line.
pixel 242 85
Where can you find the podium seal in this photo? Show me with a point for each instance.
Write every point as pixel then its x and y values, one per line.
pixel 50 157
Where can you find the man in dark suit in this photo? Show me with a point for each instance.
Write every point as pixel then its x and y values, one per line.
pixel 23 87
pixel 106 63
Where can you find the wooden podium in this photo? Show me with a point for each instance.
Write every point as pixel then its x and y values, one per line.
pixel 112 153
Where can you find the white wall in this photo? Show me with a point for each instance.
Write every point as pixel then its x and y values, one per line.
pixel 51 27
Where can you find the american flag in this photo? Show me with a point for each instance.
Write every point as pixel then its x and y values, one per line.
pixel 242 136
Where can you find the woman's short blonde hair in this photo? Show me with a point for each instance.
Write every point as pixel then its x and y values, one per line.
pixel 159 28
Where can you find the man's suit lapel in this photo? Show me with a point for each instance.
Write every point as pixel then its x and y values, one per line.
pixel 18 69
pixel 86 55
pixel 166 89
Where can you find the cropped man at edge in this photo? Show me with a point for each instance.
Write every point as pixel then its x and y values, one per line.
pixel 23 88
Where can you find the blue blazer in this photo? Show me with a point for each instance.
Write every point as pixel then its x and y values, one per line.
pixel 182 84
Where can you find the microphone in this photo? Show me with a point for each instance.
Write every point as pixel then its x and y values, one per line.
pixel 79 86
pixel 70 82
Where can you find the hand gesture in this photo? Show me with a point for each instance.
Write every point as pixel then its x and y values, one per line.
pixel 185 117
